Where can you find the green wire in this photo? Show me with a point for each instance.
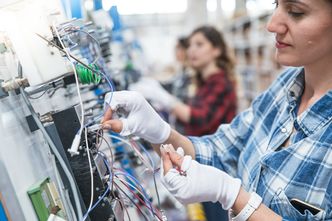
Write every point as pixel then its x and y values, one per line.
pixel 87 76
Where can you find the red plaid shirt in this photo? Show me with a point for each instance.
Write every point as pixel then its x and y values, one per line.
pixel 214 103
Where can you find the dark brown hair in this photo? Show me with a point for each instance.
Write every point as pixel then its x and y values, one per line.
pixel 183 42
pixel 225 61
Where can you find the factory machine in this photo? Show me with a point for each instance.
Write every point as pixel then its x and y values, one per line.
pixel 56 163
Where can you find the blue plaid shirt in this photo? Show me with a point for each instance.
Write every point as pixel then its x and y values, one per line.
pixel 251 148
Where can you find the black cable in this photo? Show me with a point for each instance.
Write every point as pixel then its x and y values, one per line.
pixel 156 188
pixel 38 96
pixel 44 92
pixel 124 207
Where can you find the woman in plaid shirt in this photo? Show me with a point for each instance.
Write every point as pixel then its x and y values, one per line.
pixel 215 101
pixel 275 158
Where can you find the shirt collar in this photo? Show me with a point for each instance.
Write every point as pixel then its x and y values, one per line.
pixel 316 116
pixel 295 90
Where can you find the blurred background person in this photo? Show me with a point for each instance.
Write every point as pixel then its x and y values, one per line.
pixel 182 84
pixel 182 80
pixel 215 100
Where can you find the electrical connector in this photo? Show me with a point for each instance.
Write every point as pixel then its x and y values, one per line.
pixel 74 146
pixel 15 84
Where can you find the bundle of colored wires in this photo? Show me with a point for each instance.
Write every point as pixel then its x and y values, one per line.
pixel 136 182
pixel 136 146
pixel 116 173
pixel 137 151
pixel 87 76
pixel 142 198
pixel 111 179
pixel 154 172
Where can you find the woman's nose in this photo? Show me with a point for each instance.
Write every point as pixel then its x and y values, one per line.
pixel 277 23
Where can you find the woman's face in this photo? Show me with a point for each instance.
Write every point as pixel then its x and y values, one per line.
pixel 303 31
pixel 201 52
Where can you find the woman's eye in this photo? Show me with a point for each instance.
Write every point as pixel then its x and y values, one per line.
pixel 296 14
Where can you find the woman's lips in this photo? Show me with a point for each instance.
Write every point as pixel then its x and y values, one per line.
pixel 280 45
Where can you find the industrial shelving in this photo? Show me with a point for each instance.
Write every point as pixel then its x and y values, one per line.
pixel 253 47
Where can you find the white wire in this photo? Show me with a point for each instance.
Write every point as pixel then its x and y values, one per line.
pixel 77 87
pixel 76 79
pixel 91 171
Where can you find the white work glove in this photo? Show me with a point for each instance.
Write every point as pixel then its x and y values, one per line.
pixel 128 113
pixel 191 182
pixel 153 91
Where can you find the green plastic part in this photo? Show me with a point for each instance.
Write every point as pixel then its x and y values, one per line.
pixel 41 199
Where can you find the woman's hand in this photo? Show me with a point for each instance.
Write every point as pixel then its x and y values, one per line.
pixel 192 182
pixel 128 113
pixel 152 90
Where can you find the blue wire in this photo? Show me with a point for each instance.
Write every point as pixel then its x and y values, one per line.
pixel 107 190
pixel 136 181
pixel 127 174
pixel 99 200
pixel 124 173
pixel 105 76
pixel 154 171
pixel 111 86
pixel 107 163
pixel 147 153
pixel 145 194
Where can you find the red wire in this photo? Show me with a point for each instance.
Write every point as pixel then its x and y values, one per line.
pixel 138 208
pixel 142 201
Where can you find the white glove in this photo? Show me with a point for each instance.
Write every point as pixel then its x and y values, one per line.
pixel 130 114
pixel 196 182
pixel 153 91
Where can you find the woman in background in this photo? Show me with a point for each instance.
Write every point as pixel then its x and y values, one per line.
pixel 215 100
pixel 183 79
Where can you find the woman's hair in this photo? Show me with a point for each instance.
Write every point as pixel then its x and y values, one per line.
pixel 183 42
pixel 225 60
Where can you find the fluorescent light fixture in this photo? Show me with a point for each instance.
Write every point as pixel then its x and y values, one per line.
pixel 211 5
pixel 129 7
pixel 228 5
